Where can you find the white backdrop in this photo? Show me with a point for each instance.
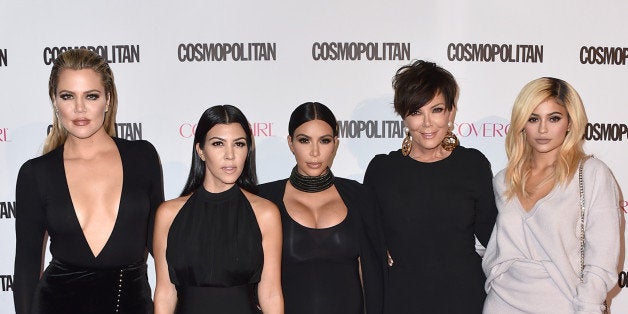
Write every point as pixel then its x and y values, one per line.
pixel 172 61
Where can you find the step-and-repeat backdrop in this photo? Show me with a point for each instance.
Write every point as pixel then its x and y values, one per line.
pixel 172 61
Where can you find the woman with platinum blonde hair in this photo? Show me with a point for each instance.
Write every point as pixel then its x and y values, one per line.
pixel 555 246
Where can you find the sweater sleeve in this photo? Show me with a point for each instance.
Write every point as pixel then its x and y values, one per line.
pixel 30 228
pixel 602 237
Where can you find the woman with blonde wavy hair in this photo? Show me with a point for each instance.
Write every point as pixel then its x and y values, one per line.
pixel 550 253
pixel 93 194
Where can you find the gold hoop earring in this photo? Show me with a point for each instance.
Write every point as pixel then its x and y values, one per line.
pixel 406 145
pixel 451 140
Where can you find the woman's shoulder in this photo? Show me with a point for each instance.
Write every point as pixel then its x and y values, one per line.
pixel 595 167
pixel 44 161
pixel 469 153
pixel 382 160
pixel 141 146
pixel 272 190
pixel 349 184
pixel 500 178
pixel 262 207
pixel 170 208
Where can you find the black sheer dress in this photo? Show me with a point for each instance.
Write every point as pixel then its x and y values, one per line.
pixel 215 254
pixel 320 268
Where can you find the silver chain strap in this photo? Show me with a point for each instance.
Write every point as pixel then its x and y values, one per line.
pixel 580 181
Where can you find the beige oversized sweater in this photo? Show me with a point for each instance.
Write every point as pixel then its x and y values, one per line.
pixel 532 261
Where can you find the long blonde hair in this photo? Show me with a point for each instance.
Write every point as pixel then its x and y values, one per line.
pixel 78 59
pixel 517 148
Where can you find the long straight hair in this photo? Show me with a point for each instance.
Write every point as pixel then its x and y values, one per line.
pixel 519 151
pixel 79 59
pixel 222 114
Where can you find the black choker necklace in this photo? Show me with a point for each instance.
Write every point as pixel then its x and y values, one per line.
pixel 311 184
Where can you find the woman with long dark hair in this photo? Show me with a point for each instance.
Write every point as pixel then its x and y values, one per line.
pixel 218 246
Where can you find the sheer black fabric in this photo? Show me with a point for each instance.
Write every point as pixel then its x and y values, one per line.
pixel 320 266
pixel 215 254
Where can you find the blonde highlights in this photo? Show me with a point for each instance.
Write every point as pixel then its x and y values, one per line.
pixel 78 59
pixel 519 151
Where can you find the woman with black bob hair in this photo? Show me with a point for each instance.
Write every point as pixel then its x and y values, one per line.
pixel 218 245
pixel 330 226
pixel 436 197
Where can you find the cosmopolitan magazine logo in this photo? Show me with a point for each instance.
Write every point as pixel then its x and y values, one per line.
pixel 124 130
pixel 113 54
pixel 4 135
pixel 613 132
pixel 3 57
pixel 255 51
pixel 7 282
pixel 7 210
pixel 259 129
pixel 353 51
pixel 493 52
pixel 603 55
pixel 622 279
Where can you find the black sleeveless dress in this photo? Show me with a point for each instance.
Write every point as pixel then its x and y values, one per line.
pixel 319 267
pixel 215 254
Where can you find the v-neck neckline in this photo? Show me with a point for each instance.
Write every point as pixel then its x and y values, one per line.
pixel 77 223
pixel 533 209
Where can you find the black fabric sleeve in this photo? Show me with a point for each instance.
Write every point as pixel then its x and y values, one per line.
pixel 156 190
pixel 485 208
pixel 370 179
pixel 372 257
pixel 30 228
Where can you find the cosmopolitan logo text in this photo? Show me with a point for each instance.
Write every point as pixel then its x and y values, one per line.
pixel 495 53
pixel 198 52
pixel 7 282
pixel 127 131
pixel 370 129
pixel 622 281
pixel 353 51
pixel 606 132
pixel 7 210
pixel 259 129
pixel 603 55
pixel 485 129
pixel 4 135
pixel 3 57
pixel 113 54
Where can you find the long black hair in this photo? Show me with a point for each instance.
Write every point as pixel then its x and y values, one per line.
pixel 222 114
pixel 309 111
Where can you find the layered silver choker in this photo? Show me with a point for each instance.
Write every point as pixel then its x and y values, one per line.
pixel 311 184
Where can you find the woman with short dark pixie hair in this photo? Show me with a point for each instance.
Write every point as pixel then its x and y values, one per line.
pixel 435 197
pixel 333 254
